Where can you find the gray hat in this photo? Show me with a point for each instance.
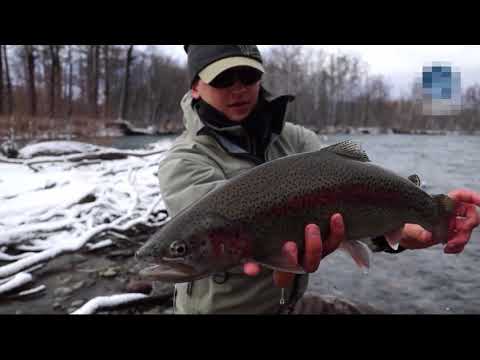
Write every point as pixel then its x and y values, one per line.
pixel 208 61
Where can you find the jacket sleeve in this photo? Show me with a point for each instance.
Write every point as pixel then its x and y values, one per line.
pixel 311 141
pixel 307 139
pixel 185 178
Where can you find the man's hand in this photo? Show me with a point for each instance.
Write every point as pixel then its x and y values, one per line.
pixel 315 250
pixel 466 219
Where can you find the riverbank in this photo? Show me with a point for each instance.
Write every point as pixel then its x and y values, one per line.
pixel 70 225
pixel 413 282
pixel 72 280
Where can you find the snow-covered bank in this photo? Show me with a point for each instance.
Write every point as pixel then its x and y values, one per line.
pixel 60 207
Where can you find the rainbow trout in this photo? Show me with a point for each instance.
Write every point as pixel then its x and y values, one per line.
pixel 251 216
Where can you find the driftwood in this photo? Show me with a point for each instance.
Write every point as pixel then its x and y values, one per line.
pixel 8 161
pixel 112 206
pixel 15 282
pixel 100 156
pixel 74 246
pixel 84 217
pixel 122 301
pixel 82 159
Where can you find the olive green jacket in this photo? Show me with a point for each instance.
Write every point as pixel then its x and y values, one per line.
pixel 197 164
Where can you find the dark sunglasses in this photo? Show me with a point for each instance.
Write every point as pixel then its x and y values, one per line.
pixel 246 75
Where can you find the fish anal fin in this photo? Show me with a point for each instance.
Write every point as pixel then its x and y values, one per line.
pixel 358 251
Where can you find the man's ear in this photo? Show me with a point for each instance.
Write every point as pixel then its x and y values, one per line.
pixel 195 92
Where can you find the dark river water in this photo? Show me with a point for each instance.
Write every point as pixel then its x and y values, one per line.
pixel 421 281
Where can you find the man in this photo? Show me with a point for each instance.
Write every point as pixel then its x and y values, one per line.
pixel 233 124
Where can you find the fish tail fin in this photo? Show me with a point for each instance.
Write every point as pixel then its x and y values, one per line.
pixel 445 211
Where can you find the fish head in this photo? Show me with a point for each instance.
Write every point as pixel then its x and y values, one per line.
pixel 183 252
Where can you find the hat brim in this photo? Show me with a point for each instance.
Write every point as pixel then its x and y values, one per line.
pixel 213 70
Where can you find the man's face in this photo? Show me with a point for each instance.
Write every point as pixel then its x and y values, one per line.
pixel 236 102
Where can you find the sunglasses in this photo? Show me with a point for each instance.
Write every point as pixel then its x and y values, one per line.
pixel 246 75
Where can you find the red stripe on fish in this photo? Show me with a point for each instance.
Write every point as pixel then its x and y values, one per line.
pixel 352 193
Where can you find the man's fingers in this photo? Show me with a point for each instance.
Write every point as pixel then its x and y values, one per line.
pixel 472 217
pixel 465 195
pixel 283 279
pixel 313 248
pixel 290 252
pixel 337 234
pixel 464 224
pixel 416 237
pixel 251 269
pixel 457 243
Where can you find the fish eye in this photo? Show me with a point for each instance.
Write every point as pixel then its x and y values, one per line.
pixel 178 248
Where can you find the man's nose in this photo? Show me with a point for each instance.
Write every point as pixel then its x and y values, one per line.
pixel 238 86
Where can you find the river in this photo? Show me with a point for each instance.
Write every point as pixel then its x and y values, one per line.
pixel 421 281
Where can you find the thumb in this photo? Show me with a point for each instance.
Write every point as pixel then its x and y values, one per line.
pixel 284 279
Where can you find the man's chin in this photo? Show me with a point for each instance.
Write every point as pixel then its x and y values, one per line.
pixel 238 116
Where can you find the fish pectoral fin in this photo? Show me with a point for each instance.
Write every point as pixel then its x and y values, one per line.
pixel 393 238
pixel 349 149
pixel 280 263
pixel 358 251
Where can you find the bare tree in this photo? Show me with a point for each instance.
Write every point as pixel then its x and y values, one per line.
pixel 55 78
pixel 82 78
pixel 106 59
pixel 126 86
pixel 471 109
pixel 92 79
pixel 9 83
pixel 96 77
pixel 70 82
pixel 1 79
pixel 30 76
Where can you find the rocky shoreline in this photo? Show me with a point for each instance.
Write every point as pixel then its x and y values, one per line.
pixel 73 280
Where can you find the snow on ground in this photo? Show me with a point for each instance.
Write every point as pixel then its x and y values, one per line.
pixel 63 207
pixel 52 148
pixel 107 301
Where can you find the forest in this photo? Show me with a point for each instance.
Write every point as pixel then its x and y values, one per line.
pixel 58 91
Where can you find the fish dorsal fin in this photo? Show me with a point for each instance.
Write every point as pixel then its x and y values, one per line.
pixel 349 149
pixel 415 179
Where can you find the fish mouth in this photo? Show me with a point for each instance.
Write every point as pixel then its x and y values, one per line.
pixel 169 271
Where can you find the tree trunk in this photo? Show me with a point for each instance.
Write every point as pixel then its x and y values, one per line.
pixel 30 72
pixel 106 55
pixel 9 83
pixel 58 76
pixel 90 78
pixel 82 79
pixel 124 103
pixel 70 82
pixel 96 76
pixel 51 112
pixel 1 79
